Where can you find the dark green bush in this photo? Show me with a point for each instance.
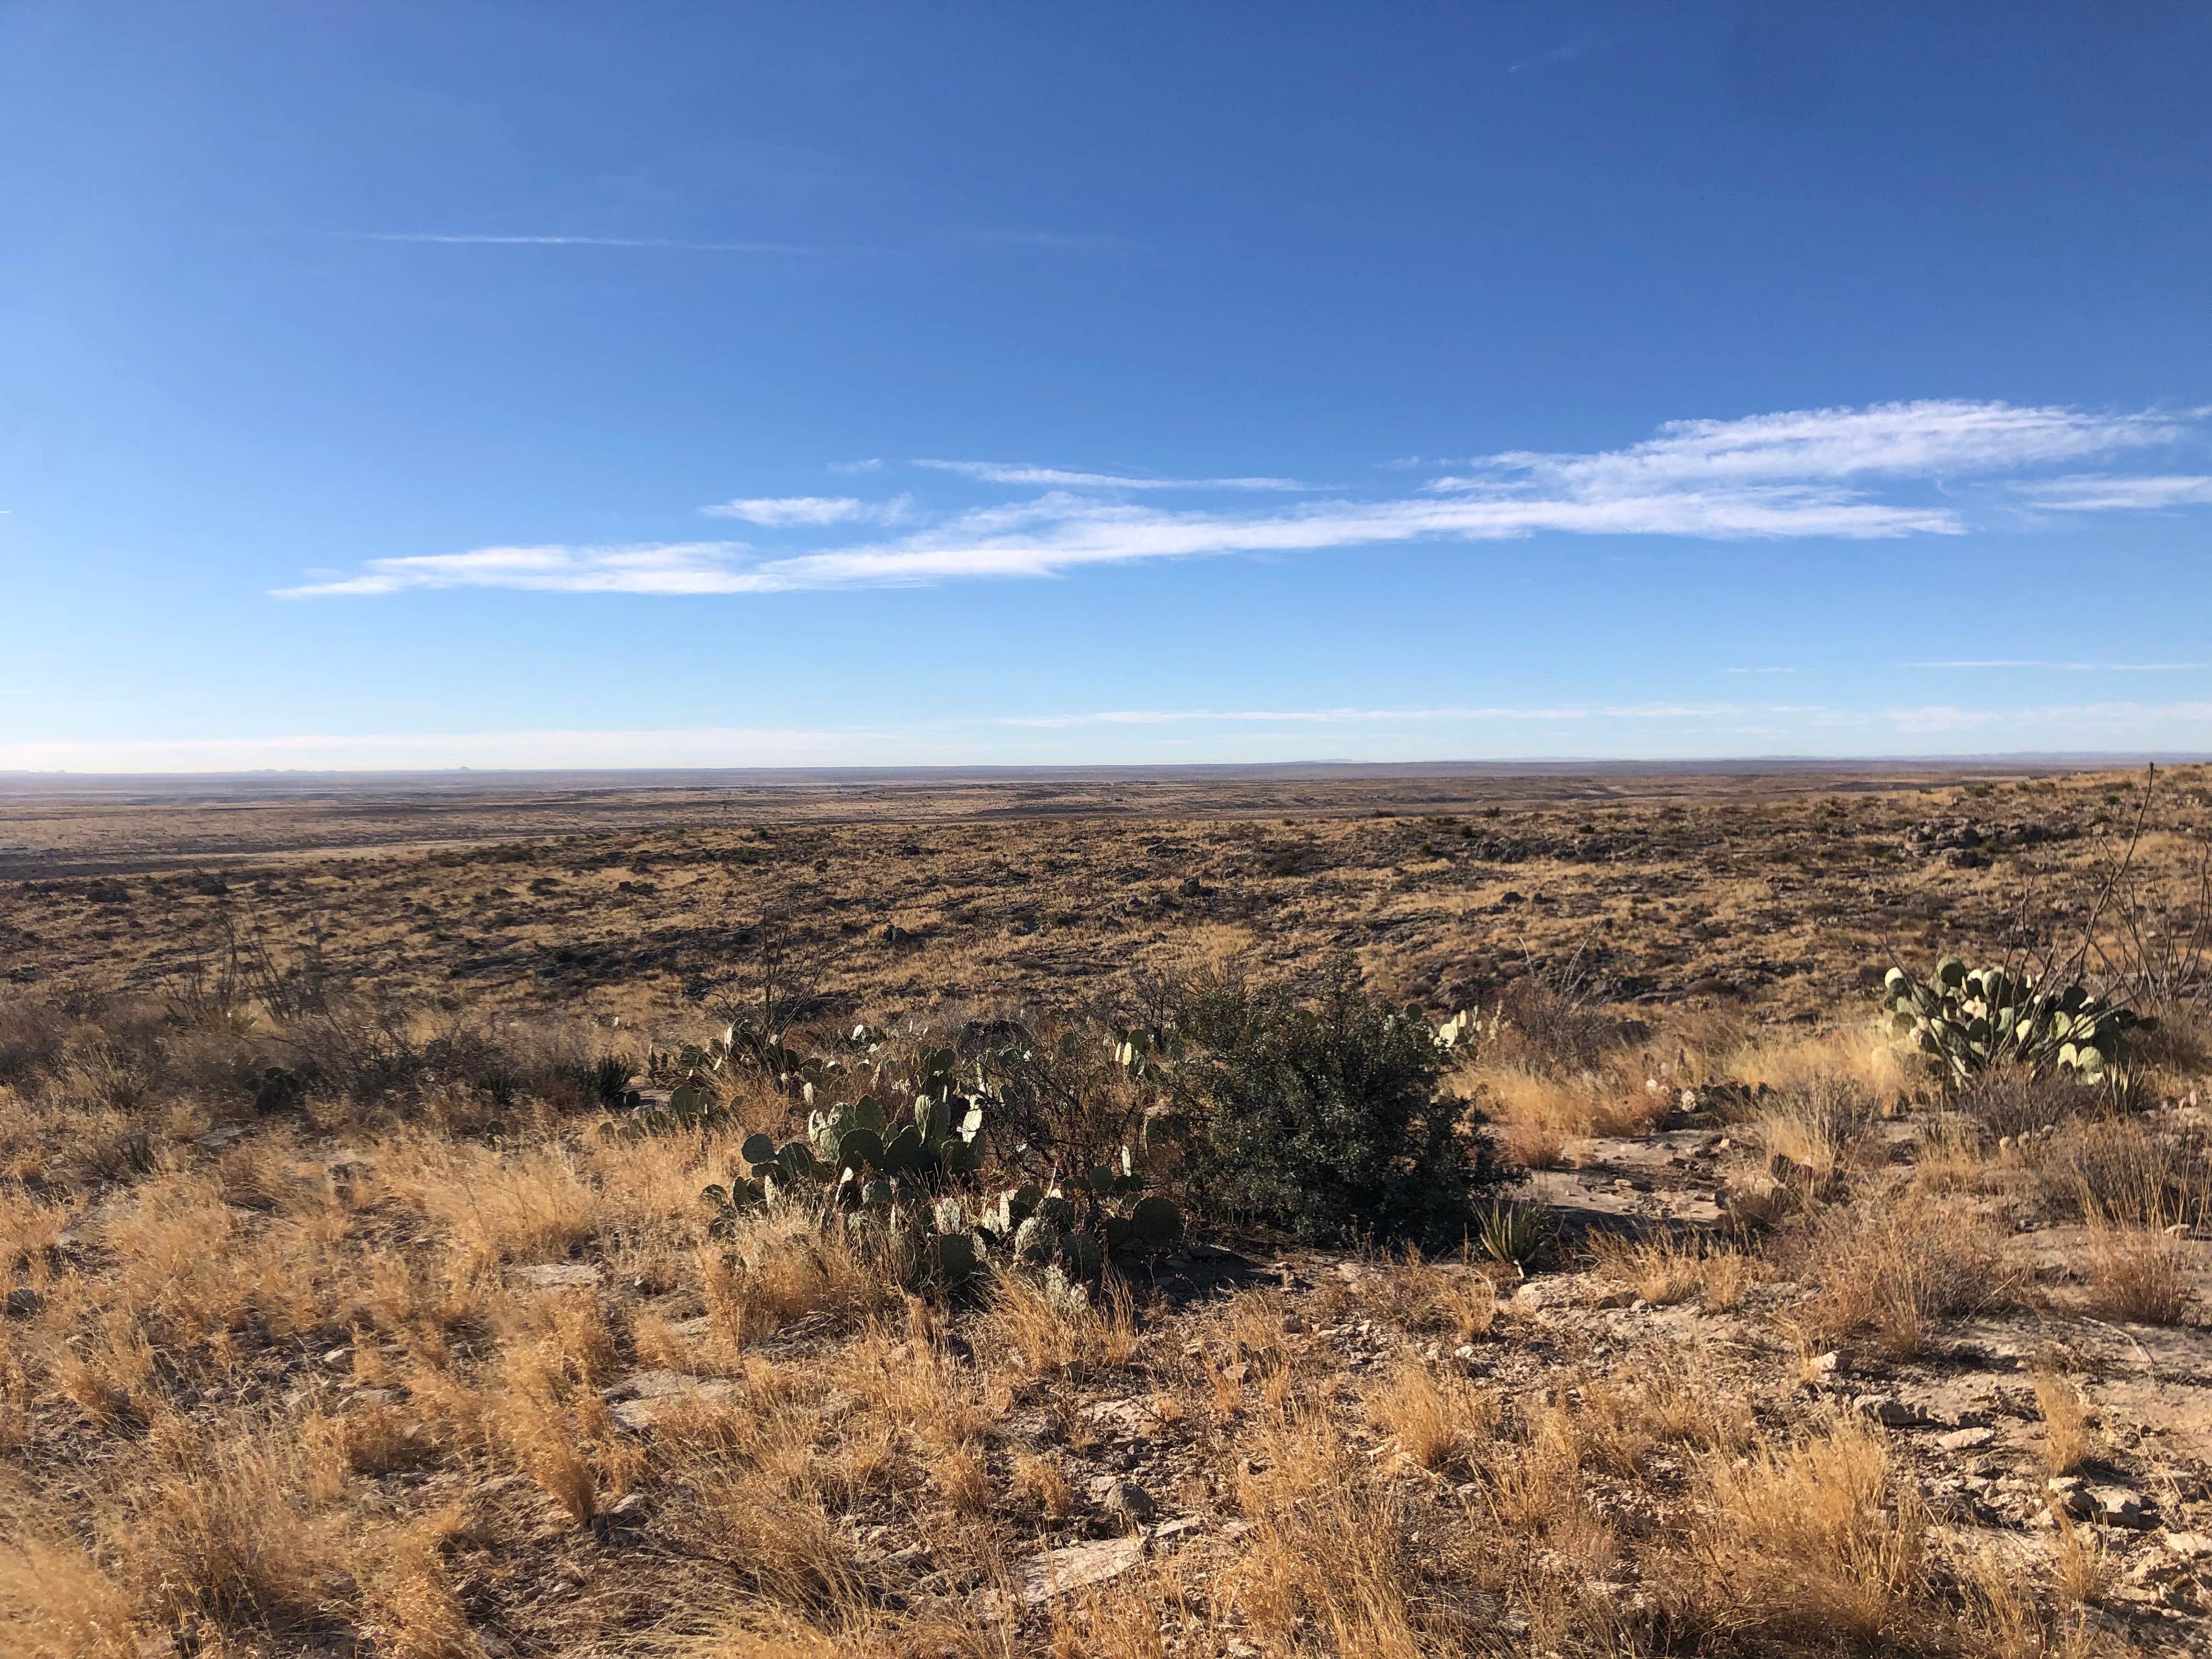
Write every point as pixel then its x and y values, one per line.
pixel 1318 1108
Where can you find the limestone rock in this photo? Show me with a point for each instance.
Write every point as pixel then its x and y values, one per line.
pixel 1963 1440
pixel 556 1276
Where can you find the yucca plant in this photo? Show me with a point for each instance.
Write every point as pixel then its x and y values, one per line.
pixel 608 1079
pixel 1512 1235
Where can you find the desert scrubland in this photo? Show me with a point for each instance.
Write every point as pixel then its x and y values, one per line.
pixel 1353 1215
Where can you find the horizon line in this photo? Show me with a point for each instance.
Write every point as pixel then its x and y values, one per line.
pixel 2084 759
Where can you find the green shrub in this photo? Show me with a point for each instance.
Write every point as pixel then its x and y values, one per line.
pixel 1318 1108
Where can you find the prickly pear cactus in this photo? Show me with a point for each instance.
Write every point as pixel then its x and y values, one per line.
pixel 1971 1020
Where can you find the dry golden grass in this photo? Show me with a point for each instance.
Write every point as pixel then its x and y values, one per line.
pixel 2002 1618
pixel 1039 1479
pixel 2068 1440
pixel 1894 1265
pixel 529 1206
pixel 408 1596
pixel 226 1529
pixel 1853 1055
pixel 1048 1339
pixel 1438 1419
pixel 2085 1567
pixel 1433 1296
pixel 1534 1108
pixel 1663 1400
pixel 1327 1557
pixel 1818 1129
pixel 1820 1541
pixel 779 1268
pixel 2139 1274
pixel 57 1602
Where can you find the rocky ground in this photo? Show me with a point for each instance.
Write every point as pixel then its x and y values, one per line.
pixel 1794 1351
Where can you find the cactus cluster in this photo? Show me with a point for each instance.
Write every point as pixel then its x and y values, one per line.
pixel 1049 1230
pixel 690 1107
pixel 938 1145
pixel 1971 1020
pixel 892 1190
pixel 1459 1030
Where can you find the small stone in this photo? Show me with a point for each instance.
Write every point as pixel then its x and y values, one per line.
pixel 22 1302
pixel 1062 1571
pixel 338 1358
pixel 2116 1506
pixel 556 1276
pixel 2067 1495
pixel 1889 1410
pixel 642 1401
pixel 2189 1546
pixel 1960 1440
pixel 1292 1324
pixel 1127 1497
pixel 630 1508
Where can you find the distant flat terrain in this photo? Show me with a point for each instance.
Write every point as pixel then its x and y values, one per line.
pixel 58 825
pixel 1773 885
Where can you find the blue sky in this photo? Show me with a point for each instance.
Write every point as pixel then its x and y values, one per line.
pixel 501 385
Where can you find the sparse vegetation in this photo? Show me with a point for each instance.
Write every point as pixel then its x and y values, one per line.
pixel 333 1321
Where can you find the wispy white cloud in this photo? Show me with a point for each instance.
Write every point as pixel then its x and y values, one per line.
pixel 1352 716
pixel 1564 731
pixel 781 512
pixel 1930 438
pixel 660 568
pixel 2064 667
pixel 1571 52
pixel 2127 722
pixel 1272 716
pixel 1050 477
pixel 874 464
pixel 2102 492
pixel 1833 473
pixel 471 239
pixel 1066 241
pixel 428 750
